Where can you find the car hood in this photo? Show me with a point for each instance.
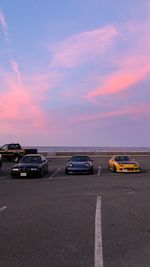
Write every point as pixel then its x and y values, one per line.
pixel 79 162
pixel 127 162
pixel 19 165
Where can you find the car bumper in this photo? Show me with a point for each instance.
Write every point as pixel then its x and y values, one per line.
pixel 25 174
pixel 126 170
pixel 79 170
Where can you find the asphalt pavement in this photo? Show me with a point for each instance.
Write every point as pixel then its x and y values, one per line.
pixel 51 222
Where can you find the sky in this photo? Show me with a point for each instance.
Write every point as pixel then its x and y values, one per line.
pixel 75 73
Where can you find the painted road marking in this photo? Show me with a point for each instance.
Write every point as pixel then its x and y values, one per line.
pixel 98 259
pixel 99 170
pixel 3 208
pixel 51 177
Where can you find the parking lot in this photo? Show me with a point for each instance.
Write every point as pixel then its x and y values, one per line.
pixel 51 221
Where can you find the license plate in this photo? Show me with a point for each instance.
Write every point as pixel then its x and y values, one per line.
pixel 125 170
pixel 23 174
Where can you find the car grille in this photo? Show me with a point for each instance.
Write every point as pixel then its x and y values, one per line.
pixel 24 169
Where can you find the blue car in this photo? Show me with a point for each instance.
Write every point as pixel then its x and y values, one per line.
pixel 79 164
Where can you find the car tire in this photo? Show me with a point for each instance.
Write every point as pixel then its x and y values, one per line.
pixel 40 174
pixel 114 168
pixel 92 171
pixel 66 171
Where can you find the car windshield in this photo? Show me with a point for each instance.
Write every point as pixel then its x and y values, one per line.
pixel 80 159
pixel 31 159
pixel 122 158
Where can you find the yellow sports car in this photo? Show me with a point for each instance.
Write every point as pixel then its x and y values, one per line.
pixel 123 164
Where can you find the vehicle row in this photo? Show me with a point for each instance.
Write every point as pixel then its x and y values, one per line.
pixel 118 163
pixel 36 165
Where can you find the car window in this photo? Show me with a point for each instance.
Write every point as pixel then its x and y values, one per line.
pixel 5 147
pixel 122 158
pixel 31 159
pixel 80 159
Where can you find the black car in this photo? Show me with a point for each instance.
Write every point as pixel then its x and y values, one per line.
pixel 31 165
pixel 79 164
pixel 0 160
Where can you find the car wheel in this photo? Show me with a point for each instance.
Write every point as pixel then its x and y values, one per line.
pixel 40 174
pixel 114 168
pixel 92 171
pixel 66 171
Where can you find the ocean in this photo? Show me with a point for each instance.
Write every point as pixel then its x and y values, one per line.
pixel 54 149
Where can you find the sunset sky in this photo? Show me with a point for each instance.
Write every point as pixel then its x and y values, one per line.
pixel 75 72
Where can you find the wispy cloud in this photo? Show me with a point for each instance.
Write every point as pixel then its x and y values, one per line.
pixel 22 109
pixel 3 24
pixel 121 80
pixel 131 63
pixel 16 69
pixel 82 47
pixel 139 110
pixel 13 63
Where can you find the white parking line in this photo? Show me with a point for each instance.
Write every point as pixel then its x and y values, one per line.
pixel 99 170
pixel 51 177
pixel 3 208
pixel 98 260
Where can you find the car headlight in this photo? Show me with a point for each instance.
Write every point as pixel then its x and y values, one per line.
pixel 15 169
pixel 69 165
pixel 87 164
pixel 34 169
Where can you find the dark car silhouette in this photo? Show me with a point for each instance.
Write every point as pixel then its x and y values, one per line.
pixel 31 165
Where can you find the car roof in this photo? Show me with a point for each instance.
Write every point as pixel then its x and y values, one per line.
pixel 121 156
pixel 33 155
pixel 80 156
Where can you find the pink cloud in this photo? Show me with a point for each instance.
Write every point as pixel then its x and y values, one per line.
pixel 21 107
pixel 131 65
pixel 139 110
pixel 118 82
pixel 45 82
pixel 82 47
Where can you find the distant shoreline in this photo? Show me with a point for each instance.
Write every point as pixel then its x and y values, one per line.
pixel 91 150
pixel 93 154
